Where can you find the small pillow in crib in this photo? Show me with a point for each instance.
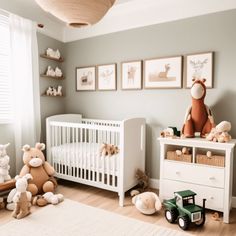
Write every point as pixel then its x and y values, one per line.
pixel 108 149
pixel 147 203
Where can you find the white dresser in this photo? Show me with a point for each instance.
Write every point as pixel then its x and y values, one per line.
pixel 211 182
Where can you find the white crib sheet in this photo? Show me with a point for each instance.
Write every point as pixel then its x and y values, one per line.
pixel 73 155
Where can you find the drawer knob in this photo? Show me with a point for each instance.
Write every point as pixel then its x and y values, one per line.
pixel 211 198
pixel 177 172
pixel 212 178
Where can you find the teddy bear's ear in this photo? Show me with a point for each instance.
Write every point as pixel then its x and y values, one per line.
pixel 28 176
pixel 193 79
pixel 40 146
pixel 26 148
pixel 17 177
pixel 203 80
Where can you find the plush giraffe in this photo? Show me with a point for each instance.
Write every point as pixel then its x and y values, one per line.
pixel 198 117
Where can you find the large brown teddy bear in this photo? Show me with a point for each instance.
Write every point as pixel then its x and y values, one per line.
pixel 198 117
pixel 41 171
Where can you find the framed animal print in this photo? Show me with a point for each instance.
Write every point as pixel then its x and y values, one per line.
pixel 163 73
pixel 199 66
pixel 131 75
pixel 106 77
pixel 86 78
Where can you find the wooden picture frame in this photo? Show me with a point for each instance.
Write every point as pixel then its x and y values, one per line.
pixel 106 77
pixel 85 78
pixel 131 75
pixel 200 66
pixel 165 72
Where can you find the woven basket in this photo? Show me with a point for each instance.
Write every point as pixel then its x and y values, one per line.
pixel 171 155
pixel 214 160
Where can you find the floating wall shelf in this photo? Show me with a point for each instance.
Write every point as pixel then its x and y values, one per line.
pixel 52 58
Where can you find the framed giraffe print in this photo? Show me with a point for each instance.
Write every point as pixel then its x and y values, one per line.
pixel 163 72
pixel 131 75
pixel 199 66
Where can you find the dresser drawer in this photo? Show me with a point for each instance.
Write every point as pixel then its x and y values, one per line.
pixel 193 173
pixel 214 196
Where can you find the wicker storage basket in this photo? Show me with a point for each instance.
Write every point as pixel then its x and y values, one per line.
pixel 171 155
pixel 214 160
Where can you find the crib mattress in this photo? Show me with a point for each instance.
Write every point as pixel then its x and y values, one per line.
pixel 84 155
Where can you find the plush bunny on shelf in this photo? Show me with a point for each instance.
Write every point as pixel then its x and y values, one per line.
pixel 58 72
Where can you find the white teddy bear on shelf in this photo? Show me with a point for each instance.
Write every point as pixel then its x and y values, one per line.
pixel 58 72
pixel 59 90
pixel 4 164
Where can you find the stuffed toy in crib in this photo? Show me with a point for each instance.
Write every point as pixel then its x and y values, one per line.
pixel 41 171
pixel 108 149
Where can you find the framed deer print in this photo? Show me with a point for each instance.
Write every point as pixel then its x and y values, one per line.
pixel 163 73
pixel 199 66
pixel 131 75
pixel 106 77
pixel 85 78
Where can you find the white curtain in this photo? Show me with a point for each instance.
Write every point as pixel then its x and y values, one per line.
pixel 25 78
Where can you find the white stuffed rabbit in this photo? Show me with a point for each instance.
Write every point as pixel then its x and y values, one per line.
pixel 4 164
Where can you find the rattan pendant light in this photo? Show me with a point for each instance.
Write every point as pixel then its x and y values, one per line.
pixel 77 13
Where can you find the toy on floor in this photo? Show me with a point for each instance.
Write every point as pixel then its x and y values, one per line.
pixel 41 171
pixel 22 197
pixel 143 182
pixel 108 149
pixel 48 198
pixel 147 203
pixel 4 164
pixel 198 117
pixel 183 209
pixel 220 133
pixel 215 216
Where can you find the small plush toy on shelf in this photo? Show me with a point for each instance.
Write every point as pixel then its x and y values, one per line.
pixel 52 91
pixel 54 54
pixel 170 132
pixel 4 164
pixel 54 73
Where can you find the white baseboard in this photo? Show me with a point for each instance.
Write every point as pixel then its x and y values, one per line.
pixel 154 183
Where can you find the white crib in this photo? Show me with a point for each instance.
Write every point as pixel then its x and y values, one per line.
pixel 73 146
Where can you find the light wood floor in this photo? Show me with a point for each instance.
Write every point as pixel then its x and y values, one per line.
pixel 109 201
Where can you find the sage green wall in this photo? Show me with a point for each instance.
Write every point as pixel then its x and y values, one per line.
pixel 163 107
pixel 49 105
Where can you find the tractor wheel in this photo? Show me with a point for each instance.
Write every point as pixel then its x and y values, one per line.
pixel 171 215
pixel 183 222
pixel 201 222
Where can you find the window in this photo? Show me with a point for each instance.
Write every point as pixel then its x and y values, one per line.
pixel 5 78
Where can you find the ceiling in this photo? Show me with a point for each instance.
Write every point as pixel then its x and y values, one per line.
pixel 125 14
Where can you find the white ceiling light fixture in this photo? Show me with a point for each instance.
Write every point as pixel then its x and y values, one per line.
pixel 77 13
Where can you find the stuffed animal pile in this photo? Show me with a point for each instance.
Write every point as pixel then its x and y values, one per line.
pixel 220 133
pixel 54 73
pixel 52 91
pixel 108 150
pixel 54 54
pixel 4 164
pixel 22 197
pixel 48 198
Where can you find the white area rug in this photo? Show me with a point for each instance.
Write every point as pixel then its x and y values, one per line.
pixel 71 218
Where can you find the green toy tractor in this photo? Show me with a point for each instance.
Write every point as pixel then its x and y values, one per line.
pixel 183 209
